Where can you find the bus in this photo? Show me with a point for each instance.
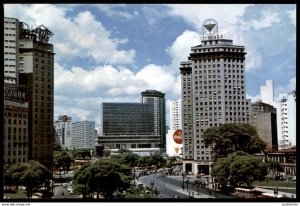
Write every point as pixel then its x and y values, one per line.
pixel 245 193
pixel 270 195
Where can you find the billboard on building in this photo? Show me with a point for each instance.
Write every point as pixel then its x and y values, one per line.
pixel 177 136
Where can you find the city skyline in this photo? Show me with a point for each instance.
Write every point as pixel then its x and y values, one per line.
pixel 144 42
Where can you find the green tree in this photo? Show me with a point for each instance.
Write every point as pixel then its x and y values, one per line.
pixel 81 153
pixel 246 169
pixel 229 138
pixel 274 167
pixel 32 175
pixel 62 160
pixel 13 174
pixel 103 177
pixel 238 168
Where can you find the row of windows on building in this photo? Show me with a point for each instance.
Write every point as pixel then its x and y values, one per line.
pixel 215 61
pixel 226 68
pixel 10 41
pixel 10 34
pixel 9 47
pixel 217 49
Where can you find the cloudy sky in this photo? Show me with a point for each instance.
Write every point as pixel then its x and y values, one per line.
pixel 113 52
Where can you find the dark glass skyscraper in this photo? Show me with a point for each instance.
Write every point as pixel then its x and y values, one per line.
pixel 128 125
pixel 127 119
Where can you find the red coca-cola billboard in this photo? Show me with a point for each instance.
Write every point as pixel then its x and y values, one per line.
pixel 177 136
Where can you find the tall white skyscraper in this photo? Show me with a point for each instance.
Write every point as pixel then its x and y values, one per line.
pixel 267 93
pixel 63 128
pixel 212 93
pixel 84 135
pixel 174 146
pixel 286 121
pixel 175 120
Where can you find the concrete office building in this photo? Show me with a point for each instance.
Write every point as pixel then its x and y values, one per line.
pixel 128 126
pixel 84 135
pixel 286 121
pixel 157 98
pixel 11 50
pixel 36 66
pixel 263 118
pixel 212 93
pixel 174 148
pixel 15 144
pixel 63 128
pixel 175 120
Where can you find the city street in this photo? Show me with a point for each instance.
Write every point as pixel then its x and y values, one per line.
pixel 171 186
pixel 61 189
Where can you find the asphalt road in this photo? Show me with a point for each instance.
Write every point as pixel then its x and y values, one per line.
pixel 61 192
pixel 171 186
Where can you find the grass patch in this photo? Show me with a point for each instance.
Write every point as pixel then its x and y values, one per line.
pixel 21 194
pixel 288 190
pixel 274 183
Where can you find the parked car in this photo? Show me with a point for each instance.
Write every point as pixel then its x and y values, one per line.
pixel 65 185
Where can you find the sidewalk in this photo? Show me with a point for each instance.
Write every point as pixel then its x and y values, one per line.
pixel 193 194
pixel 270 189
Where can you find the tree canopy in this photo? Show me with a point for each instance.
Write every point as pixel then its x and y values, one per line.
pixel 239 168
pixel 229 138
pixel 32 175
pixel 62 160
pixel 103 177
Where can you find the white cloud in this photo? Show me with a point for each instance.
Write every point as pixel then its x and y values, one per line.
pixel 165 83
pixel 77 114
pixel 115 82
pixel 281 91
pixel 79 37
pixel 292 16
pixel 196 14
pixel 267 19
pixel 114 10
pixel 181 47
pixel 228 26
pixel 253 98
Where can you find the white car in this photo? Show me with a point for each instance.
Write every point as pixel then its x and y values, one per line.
pixel 65 185
pixel 70 188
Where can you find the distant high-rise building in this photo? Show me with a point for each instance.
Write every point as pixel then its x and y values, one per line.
pixel 212 93
pixel 29 61
pixel 128 126
pixel 157 98
pixel 263 118
pixel 63 128
pixel 267 93
pixel 286 121
pixel 84 135
pixel 11 50
pixel 175 115
pixel 174 148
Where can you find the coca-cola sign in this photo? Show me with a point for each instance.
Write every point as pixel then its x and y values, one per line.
pixel 177 136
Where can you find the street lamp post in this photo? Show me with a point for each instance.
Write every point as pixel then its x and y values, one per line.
pixel 213 183
pixel 198 183
pixel 152 187
pixel 183 175
pixel 187 185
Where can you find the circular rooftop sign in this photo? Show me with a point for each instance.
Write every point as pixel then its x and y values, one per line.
pixel 210 26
